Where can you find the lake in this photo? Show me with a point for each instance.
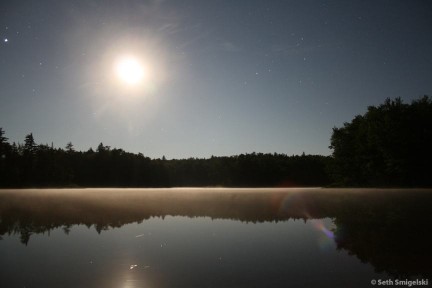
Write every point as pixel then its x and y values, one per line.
pixel 213 237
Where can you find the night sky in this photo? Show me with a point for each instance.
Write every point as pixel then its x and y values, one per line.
pixel 219 77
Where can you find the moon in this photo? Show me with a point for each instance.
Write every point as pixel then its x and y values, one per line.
pixel 130 71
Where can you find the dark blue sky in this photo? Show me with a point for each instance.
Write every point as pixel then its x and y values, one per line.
pixel 223 77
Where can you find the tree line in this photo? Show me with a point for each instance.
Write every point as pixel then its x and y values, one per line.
pixel 390 145
pixel 41 165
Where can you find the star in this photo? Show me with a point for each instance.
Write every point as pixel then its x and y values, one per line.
pixel 6 40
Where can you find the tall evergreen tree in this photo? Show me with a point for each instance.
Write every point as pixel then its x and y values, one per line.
pixel 29 145
pixel 70 147
pixel 4 147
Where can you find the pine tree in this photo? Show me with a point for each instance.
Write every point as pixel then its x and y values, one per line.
pixel 29 145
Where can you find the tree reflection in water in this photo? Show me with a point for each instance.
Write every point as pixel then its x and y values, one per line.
pixel 388 228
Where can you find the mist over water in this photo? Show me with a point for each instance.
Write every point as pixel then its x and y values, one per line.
pixel 212 237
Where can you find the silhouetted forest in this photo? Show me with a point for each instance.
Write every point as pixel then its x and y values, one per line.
pixel 41 165
pixel 390 145
pixel 387 146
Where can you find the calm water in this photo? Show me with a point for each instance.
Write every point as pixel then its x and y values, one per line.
pixel 213 237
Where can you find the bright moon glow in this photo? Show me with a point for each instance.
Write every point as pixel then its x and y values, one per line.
pixel 130 71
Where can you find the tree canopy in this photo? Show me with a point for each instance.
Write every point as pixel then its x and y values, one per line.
pixel 390 145
pixel 40 165
pixel 387 146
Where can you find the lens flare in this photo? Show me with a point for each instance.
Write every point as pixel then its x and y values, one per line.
pixel 319 225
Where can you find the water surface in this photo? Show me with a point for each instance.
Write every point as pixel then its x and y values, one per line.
pixel 212 237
